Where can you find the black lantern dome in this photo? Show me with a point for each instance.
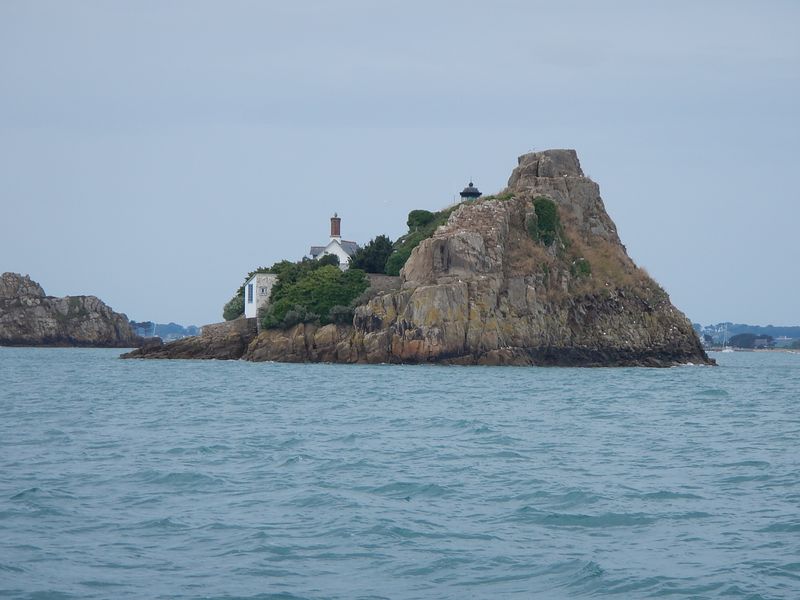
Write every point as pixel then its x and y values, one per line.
pixel 470 192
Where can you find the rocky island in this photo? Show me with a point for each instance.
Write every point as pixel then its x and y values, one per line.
pixel 30 318
pixel 534 275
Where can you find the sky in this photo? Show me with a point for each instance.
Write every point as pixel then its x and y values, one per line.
pixel 154 152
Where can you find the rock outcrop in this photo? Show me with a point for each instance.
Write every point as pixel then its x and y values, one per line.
pixel 30 318
pixel 222 341
pixel 486 288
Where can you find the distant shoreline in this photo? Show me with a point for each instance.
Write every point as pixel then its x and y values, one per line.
pixel 784 350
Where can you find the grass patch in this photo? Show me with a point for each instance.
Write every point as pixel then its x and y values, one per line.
pixel 580 267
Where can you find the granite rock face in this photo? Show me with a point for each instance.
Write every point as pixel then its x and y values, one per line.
pixel 221 341
pixel 30 318
pixel 482 290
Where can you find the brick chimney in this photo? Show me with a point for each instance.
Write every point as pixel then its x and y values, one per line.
pixel 336 226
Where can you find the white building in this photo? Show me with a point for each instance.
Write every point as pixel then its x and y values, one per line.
pixel 338 247
pixel 256 292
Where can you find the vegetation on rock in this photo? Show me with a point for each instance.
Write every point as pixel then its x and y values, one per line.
pixel 234 308
pixel 419 218
pixel 420 227
pixel 373 256
pixel 547 227
pixel 581 267
pixel 502 197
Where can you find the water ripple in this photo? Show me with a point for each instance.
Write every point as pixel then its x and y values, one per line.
pixel 194 479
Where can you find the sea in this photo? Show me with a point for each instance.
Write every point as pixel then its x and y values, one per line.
pixel 229 479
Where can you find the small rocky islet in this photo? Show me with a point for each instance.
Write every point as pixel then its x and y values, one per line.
pixel 28 317
pixel 534 275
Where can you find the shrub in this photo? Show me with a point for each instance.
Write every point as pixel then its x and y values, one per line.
pixel 314 290
pixel 397 261
pixel 329 259
pixel 293 317
pixel 419 218
pixel 341 315
pixel 372 257
pixel 404 246
pixel 548 225
pixel 580 268
pixel 234 308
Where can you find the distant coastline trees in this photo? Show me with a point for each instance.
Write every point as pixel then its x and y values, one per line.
pixel 751 340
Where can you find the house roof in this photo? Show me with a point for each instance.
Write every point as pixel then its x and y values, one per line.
pixel 254 275
pixel 350 248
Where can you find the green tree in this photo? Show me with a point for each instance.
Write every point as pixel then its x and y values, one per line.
pixel 397 261
pixel 419 218
pixel 743 340
pixel 234 308
pixel 328 259
pixel 372 257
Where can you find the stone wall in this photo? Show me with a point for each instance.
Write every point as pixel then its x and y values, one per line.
pixel 383 283
pixel 241 326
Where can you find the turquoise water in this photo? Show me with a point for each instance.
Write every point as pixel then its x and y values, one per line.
pixel 190 479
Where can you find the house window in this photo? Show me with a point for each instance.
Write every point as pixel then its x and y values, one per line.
pixel 262 290
pixel 249 293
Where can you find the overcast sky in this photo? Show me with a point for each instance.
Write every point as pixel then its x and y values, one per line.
pixel 153 152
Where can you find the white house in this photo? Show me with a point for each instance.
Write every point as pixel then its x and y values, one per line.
pixel 340 248
pixel 256 292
